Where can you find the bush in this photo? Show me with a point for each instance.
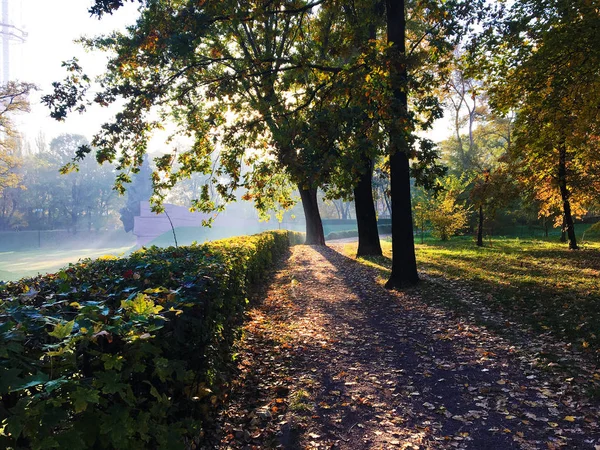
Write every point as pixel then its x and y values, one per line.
pixel 125 353
pixel 383 229
pixel 341 235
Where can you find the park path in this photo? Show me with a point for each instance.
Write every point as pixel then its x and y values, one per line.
pixel 330 359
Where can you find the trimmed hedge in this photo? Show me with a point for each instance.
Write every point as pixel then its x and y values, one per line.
pixel 383 229
pixel 125 353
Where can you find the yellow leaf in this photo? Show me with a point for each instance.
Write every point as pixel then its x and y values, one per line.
pixel 62 330
pixel 569 418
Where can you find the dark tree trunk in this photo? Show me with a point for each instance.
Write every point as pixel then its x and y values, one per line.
pixel 366 218
pixel 480 227
pixel 569 227
pixel 314 226
pixel 404 263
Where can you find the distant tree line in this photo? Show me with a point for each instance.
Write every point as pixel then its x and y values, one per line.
pixel 43 199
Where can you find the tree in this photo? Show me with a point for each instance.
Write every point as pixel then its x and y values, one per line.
pixel 254 59
pixel 13 99
pixel 446 213
pixel 416 69
pixel 421 203
pixel 493 189
pixel 545 69
pixel 278 69
pixel 81 198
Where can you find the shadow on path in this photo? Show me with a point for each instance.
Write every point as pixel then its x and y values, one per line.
pixel 359 367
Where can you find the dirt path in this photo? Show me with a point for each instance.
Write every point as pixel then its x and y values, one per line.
pixel 330 359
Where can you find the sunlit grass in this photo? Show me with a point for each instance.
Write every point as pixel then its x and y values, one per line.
pixel 16 265
pixel 538 282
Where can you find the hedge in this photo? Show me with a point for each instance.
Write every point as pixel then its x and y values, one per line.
pixel 383 229
pixel 125 353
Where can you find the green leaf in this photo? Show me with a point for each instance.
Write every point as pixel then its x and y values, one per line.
pixel 8 379
pixel 82 397
pixel 113 361
pixel 14 426
pixel 141 305
pixel 110 382
pixel 62 330
pixel 35 380
pixel 55 384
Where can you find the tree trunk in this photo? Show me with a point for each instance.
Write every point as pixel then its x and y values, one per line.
pixel 565 194
pixel 337 209
pixel 366 219
pixel 344 211
pixel 404 262
pixel 387 205
pixel 563 228
pixel 480 227
pixel 314 226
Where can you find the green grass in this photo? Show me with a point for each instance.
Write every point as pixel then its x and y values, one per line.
pixel 537 282
pixel 16 265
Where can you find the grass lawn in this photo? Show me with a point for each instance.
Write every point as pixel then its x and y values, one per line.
pixel 537 282
pixel 16 265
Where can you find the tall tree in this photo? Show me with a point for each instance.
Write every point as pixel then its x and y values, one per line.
pixel 545 69
pixel 404 262
pixel 415 70
pixel 253 58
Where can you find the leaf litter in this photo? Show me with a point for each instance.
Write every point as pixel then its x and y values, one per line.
pixel 331 360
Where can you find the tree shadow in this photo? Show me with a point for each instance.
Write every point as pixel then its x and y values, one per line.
pixel 553 291
pixel 410 370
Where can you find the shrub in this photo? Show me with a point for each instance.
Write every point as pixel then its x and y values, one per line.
pixel 125 353
pixel 383 229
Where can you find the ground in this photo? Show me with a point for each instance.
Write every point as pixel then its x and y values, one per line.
pixel 15 265
pixel 330 359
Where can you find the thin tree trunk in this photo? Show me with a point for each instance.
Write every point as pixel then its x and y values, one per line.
pixel 344 211
pixel 565 194
pixel 404 262
pixel 337 209
pixel 480 227
pixel 387 205
pixel 314 226
pixel 366 219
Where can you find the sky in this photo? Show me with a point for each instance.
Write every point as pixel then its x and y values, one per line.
pixel 52 27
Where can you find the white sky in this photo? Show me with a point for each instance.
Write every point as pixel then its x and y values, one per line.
pixel 52 26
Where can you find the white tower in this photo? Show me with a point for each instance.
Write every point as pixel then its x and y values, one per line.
pixel 9 33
